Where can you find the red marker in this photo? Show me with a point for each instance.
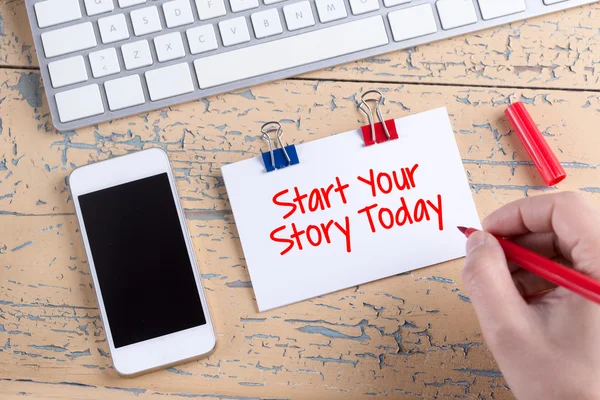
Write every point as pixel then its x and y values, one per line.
pixel 540 152
pixel 547 269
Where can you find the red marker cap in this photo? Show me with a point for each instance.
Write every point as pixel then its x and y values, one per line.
pixel 535 144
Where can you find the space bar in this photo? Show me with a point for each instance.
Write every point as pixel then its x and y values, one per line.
pixel 290 52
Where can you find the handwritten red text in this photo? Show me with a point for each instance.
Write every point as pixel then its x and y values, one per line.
pixel 407 211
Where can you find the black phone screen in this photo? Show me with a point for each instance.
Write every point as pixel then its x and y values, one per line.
pixel 138 247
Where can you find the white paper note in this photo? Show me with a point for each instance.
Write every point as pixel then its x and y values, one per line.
pixel 342 230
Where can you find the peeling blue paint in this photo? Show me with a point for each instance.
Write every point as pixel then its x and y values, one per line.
pixel 210 276
pixel 590 189
pixel 326 360
pixel 77 354
pixel 440 279
pixel 74 384
pixel 49 348
pixel 103 353
pixel 327 306
pixel 179 372
pixel 19 247
pixel 239 284
pixel 207 215
pixel 489 373
pixel 250 139
pixel 135 391
pixel 262 336
pixel 274 368
pixel 29 87
pixel 395 298
pixel 477 187
pixel 247 94
pixel 10 303
pixel 252 319
pixel 55 383
pixel 464 298
pixel 331 333
pixel 378 310
pixel 2 26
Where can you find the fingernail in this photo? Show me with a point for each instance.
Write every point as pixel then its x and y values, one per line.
pixel 475 240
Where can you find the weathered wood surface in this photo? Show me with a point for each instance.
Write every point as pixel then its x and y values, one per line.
pixel 410 336
pixel 554 51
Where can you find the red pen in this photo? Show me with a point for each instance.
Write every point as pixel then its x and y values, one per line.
pixel 547 269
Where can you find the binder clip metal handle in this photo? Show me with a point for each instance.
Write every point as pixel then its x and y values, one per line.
pixel 368 111
pixel 376 132
pixel 276 155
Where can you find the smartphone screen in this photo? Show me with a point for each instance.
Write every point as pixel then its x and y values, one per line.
pixel 141 260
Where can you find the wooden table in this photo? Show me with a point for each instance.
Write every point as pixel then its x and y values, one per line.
pixel 413 336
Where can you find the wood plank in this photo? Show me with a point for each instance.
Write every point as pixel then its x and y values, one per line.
pixel 410 336
pixel 556 51
pixel 16 389
pixel 397 335
pixel 201 136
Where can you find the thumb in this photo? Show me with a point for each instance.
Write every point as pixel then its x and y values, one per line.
pixel 490 286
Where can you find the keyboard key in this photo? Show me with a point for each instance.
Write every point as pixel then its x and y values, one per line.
pixel 169 47
pixel 263 58
pixel 242 5
pixel 331 10
pixel 136 55
pixel 456 13
pixel 95 7
pixel 145 21
pixel 234 31
pixel 104 62
pixel 54 12
pixel 178 13
pixel 169 81
pixel 412 22
pixel 69 40
pixel 267 2
pixel 202 39
pixel 129 3
pixel 363 6
pixel 124 92
pixel 266 23
pixel 67 72
pixel 113 28
pixel 392 3
pixel 208 9
pixel 491 9
pixel 79 103
pixel 298 15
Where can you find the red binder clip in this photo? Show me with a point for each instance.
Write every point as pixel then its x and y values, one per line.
pixel 381 131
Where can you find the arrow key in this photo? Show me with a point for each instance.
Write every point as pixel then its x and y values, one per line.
pixel 104 63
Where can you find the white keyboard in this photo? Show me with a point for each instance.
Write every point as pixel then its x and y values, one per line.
pixel 105 59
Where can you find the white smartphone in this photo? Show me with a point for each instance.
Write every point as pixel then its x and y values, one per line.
pixel 142 262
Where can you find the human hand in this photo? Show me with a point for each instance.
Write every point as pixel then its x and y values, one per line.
pixel 546 342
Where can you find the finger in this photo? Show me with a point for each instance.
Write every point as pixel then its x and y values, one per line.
pixel 540 243
pixel 490 286
pixel 540 298
pixel 543 243
pixel 574 221
pixel 529 284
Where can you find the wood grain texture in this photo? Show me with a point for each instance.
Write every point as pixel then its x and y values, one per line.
pixel 555 51
pixel 412 336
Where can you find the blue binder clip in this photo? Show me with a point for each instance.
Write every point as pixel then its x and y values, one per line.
pixel 279 158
